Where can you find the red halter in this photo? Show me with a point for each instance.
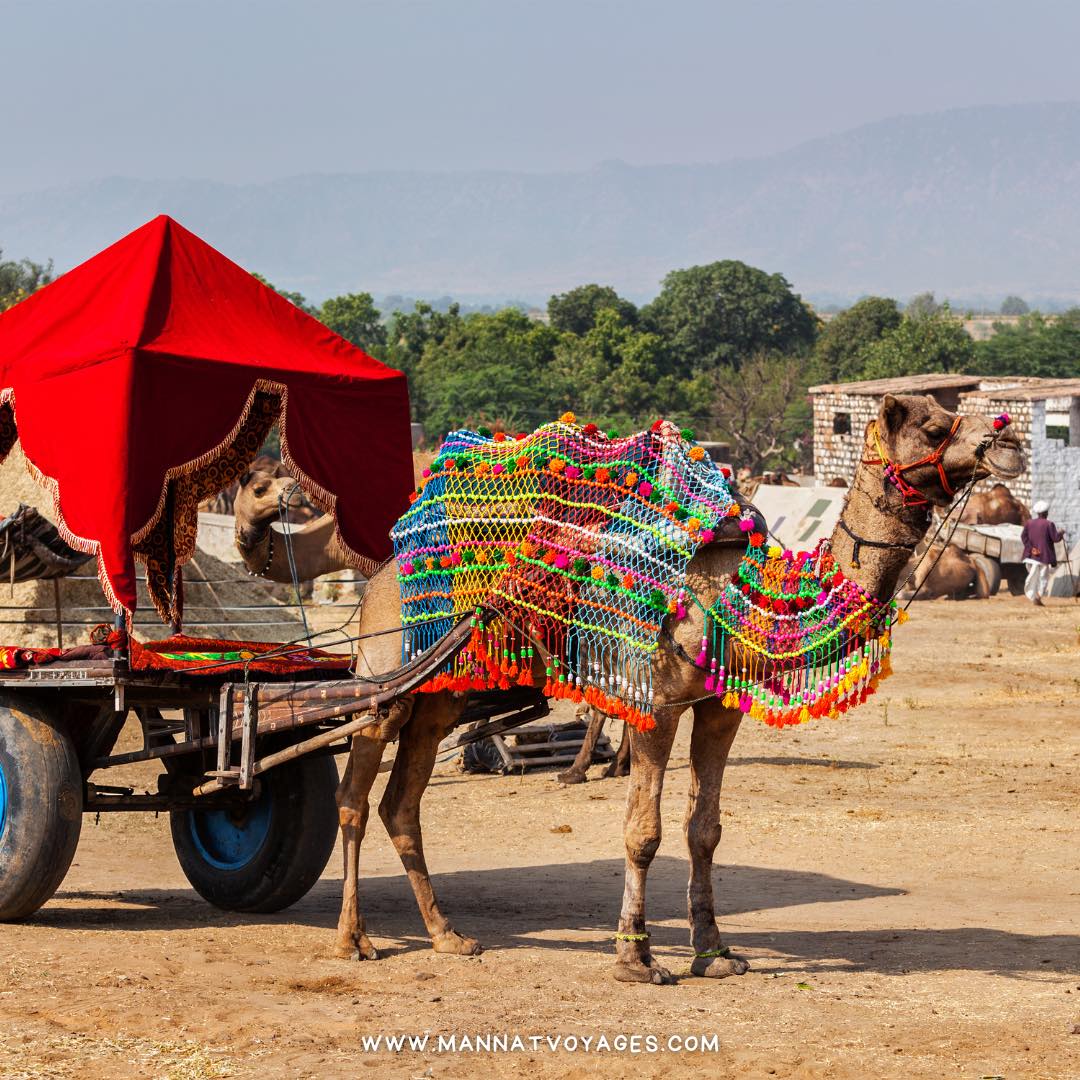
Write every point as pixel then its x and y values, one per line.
pixel 895 473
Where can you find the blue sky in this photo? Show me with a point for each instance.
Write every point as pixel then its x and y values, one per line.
pixel 248 90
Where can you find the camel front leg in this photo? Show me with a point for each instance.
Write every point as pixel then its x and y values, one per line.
pixel 714 731
pixel 432 719
pixel 648 760
pixel 352 801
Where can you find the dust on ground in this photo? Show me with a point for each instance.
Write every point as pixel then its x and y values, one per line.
pixel 906 882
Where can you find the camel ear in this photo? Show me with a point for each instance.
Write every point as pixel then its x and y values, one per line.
pixel 245 479
pixel 892 414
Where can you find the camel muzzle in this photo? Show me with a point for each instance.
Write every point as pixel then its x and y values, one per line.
pixel 1003 456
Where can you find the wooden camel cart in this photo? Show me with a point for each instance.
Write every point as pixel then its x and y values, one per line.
pixel 147 379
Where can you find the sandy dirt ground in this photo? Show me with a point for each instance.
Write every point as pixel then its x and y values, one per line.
pixel 905 881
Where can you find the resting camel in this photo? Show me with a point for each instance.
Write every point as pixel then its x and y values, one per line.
pixel 748 485
pixel 997 506
pixel 887 530
pixel 315 547
pixel 951 572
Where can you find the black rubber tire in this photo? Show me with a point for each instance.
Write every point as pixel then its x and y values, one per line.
pixel 42 807
pixel 1015 575
pixel 482 756
pixel 299 838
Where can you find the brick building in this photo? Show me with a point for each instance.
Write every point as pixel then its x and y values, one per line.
pixel 1045 415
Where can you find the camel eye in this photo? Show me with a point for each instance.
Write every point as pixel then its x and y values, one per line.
pixel 935 429
pixel 260 489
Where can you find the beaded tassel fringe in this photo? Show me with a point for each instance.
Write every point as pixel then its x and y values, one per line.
pixel 577 544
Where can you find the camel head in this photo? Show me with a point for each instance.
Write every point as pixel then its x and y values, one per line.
pixel 259 501
pixel 915 428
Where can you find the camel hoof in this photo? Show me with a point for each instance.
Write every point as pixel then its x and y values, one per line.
pixel 571 777
pixel 356 950
pixel 637 972
pixel 453 944
pixel 719 967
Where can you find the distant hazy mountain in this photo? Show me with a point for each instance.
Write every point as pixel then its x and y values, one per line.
pixel 972 203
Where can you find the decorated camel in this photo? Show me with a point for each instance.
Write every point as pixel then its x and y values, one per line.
pixel 917 455
pixel 260 499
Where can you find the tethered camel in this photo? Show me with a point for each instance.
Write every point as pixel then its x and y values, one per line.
pixel 877 524
pixel 315 547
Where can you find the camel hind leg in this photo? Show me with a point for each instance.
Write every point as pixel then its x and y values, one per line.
pixel 714 731
pixel 619 765
pixel 577 773
pixel 433 717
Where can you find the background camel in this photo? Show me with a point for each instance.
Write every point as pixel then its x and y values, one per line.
pixel 224 501
pixel 748 485
pixel 951 573
pixel 910 428
pixel 998 506
pixel 315 546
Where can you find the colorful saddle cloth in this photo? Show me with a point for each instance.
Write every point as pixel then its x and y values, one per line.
pixel 579 541
pixel 217 656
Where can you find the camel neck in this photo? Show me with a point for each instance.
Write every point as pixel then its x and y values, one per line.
pixel 875 512
pixel 257 553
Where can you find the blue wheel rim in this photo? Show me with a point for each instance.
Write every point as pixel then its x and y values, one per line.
pixel 3 802
pixel 228 839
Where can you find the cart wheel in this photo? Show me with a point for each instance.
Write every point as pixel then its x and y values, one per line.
pixel 991 568
pixel 1015 575
pixel 482 756
pixel 268 853
pixel 40 808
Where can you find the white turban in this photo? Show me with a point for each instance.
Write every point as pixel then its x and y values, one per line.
pixel 1041 507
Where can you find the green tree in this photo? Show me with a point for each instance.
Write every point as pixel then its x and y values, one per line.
pixel 486 369
pixel 921 345
pixel 922 306
pixel 356 318
pixel 19 279
pixel 763 411
pixel 725 312
pixel 840 351
pixel 1014 305
pixel 575 312
pixel 1036 345
pixel 409 334
pixel 615 374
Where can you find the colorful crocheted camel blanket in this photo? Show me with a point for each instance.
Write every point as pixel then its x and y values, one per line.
pixel 579 542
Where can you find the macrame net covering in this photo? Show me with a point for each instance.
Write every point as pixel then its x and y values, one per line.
pixel 576 543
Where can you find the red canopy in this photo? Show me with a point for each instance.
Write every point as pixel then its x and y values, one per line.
pixel 147 378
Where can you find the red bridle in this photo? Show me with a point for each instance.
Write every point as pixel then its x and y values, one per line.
pixel 895 473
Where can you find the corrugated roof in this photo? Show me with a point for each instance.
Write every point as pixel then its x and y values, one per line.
pixel 1018 388
pixel 905 384
pixel 1033 390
